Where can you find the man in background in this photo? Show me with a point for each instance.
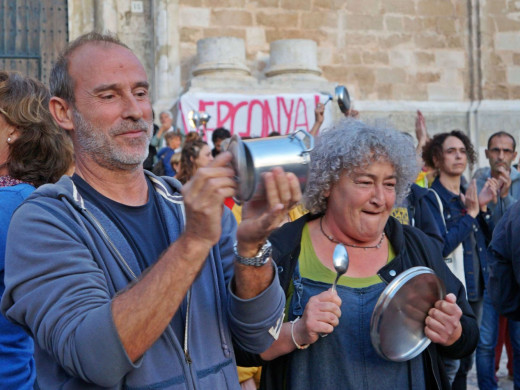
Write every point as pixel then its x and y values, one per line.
pixel 129 280
pixel 219 135
pixel 166 120
pixel 500 152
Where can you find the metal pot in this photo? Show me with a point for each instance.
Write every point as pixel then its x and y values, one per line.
pixel 253 157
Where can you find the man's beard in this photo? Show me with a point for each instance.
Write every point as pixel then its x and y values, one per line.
pixel 105 151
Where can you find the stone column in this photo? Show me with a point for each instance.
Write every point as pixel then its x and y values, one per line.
pixel 106 16
pixel 221 66
pixel 219 55
pixel 167 83
pixel 293 56
pixel 81 17
pixel 293 66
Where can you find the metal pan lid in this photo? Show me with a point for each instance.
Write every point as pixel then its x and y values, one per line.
pixel 243 166
pixel 397 323
pixel 343 98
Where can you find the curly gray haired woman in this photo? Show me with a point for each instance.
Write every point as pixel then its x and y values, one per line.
pixel 357 173
pixel 351 144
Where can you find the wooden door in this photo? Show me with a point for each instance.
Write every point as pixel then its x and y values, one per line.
pixel 32 34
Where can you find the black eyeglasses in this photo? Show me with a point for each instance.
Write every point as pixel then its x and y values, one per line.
pixel 507 152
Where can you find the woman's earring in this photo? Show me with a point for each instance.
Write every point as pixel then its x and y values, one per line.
pixel 9 140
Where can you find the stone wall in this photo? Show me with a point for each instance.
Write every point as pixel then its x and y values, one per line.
pixel 500 30
pixel 381 49
pixel 151 31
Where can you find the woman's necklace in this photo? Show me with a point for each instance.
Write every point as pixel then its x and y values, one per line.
pixel 332 239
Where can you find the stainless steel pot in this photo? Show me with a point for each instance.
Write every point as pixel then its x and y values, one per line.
pixel 253 157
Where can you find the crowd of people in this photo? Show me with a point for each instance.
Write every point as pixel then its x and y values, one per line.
pixel 115 276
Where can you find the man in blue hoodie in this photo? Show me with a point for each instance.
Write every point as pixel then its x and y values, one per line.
pixel 123 279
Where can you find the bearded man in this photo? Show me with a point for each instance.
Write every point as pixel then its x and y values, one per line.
pixel 124 279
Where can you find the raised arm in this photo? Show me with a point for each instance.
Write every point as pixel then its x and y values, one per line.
pixel 421 132
pixel 319 117
pixel 143 311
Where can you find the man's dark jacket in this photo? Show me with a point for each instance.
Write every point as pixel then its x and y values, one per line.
pixel 504 264
pixel 412 248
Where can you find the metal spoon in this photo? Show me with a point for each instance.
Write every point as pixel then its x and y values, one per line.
pixel 340 261
pixel 328 100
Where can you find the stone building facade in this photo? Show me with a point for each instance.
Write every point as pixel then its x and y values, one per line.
pixel 457 61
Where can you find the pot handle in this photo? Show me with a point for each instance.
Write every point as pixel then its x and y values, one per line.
pixel 307 140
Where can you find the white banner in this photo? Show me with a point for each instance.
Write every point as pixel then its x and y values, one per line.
pixel 253 115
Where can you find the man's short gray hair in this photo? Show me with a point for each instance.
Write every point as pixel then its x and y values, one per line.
pixel 61 84
pixel 352 144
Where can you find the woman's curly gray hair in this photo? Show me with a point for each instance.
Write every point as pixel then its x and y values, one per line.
pixel 352 144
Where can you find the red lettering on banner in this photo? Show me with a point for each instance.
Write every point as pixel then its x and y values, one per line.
pixel 221 119
pixel 204 103
pixel 306 122
pixel 252 104
pixel 227 118
pixel 288 114
pixel 249 116
pixel 266 118
pixel 238 107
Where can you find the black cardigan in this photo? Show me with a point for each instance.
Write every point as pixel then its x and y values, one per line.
pixel 413 248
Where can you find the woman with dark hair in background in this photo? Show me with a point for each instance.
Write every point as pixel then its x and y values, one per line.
pixel 33 151
pixel 195 154
pixel 464 220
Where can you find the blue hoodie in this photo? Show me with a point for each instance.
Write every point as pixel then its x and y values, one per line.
pixel 61 281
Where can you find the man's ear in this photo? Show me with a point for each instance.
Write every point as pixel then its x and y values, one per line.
pixel 62 113
pixel 487 153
